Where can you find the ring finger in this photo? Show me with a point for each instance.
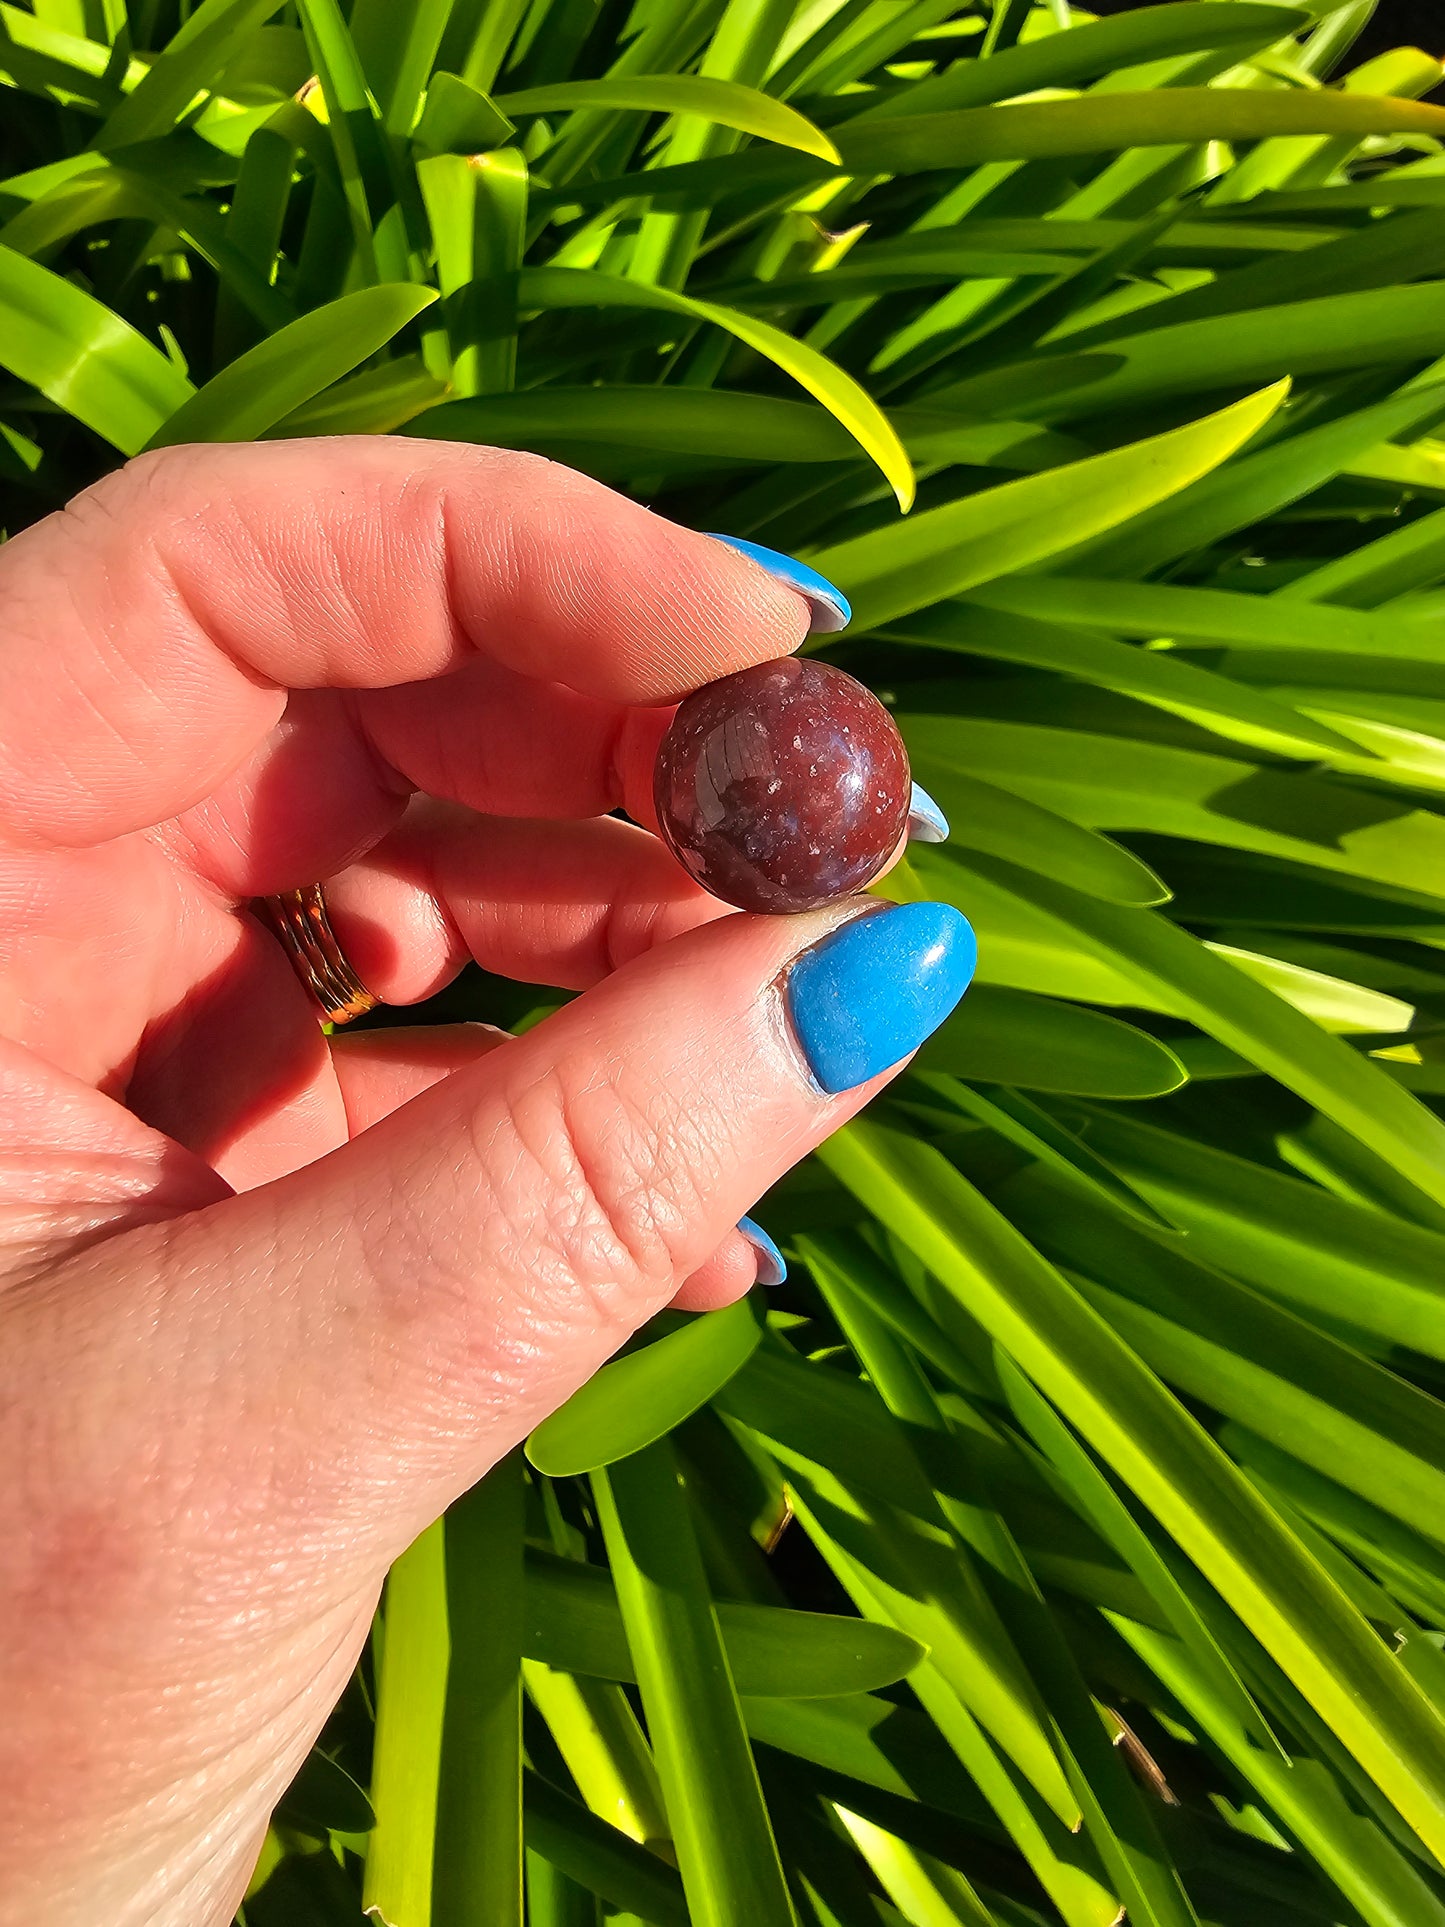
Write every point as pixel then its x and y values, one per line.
pixel 242 1077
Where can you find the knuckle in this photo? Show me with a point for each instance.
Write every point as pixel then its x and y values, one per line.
pixel 622 1175
pixel 139 486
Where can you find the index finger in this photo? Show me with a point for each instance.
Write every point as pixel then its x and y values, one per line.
pixel 154 626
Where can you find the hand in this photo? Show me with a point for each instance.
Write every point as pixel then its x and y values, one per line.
pixel 271 1300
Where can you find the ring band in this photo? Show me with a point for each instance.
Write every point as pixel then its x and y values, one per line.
pixel 299 919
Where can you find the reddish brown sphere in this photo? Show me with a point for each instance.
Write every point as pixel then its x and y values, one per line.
pixel 783 787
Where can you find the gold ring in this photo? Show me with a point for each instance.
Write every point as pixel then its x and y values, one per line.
pixel 299 919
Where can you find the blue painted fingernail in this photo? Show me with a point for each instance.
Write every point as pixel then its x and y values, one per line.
pixel 830 607
pixel 926 821
pixel 772 1267
pixel 870 993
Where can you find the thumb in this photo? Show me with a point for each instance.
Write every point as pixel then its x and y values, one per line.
pixel 230 1420
pixel 419 1299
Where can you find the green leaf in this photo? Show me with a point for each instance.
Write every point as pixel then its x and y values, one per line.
pixel 1260 483
pixel 1003 628
pixel 1155 611
pixel 1408 558
pixel 459 118
pixel 83 357
pixel 1326 1404
pixel 724 102
pixel 902 1564
pixel 993 820
pixel 1002 1036
pixel 1034 1131
pixel 848 1265
pixel 111 191
pixel 1093 49
pixel 940 552
pixel 1106 122
pixel 1243 1014
pixel 1111 779
pixel 1350 1849
pixel 373 402
pixel 639 1398
pixel 324 1796
pixel 477 1856
pixel 726 1853
pixel 47 61
pixel 601 1858
pixel 368 179
pixel 1288 1238
pixel 1261 1366
pixel 1071 1878
pixel 477 209
pixel 1113 1814
pixel 1410 1565
pixel 1403 249
pixel 730 424
pixel 927 1891
pixel 192 60
pixel 827 1419
pixel 1077 1361
pixel 396 47
pixel 1378 325
pixel 410 1712
pixel 574 1624
pixel 605 1749
pixel 872 1740
pixel 554 1899
pixel 837 391
pixel 292 367
pixel 1113 1521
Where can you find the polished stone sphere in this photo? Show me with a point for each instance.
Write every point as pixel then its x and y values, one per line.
pixel 783 787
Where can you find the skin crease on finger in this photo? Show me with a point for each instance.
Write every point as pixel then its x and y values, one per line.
pixel 379 1070
pixel 227 1401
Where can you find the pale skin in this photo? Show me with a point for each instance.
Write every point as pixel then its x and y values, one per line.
pixel 269 1301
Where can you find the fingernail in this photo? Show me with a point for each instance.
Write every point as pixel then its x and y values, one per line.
pixel 926 821
pixel 870 992
pixel 772 1267
pixel 830 607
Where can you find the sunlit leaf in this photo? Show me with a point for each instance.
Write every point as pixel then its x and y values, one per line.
pixel 945 550
pixel 722 101
pixel 837 391
pixel 289 369
pixel 83 357
pixel 637 1399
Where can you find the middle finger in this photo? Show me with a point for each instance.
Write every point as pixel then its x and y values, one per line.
pixel 542 902
pixel 332 778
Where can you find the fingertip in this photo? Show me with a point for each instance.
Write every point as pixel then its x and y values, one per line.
pixel 746 1257
pixel 926 820
pixel 829 610
pixel 729 1274
pixel 621 603
pixel 772 1266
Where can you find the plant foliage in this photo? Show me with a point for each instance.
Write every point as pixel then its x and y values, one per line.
pixel 1067 1542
